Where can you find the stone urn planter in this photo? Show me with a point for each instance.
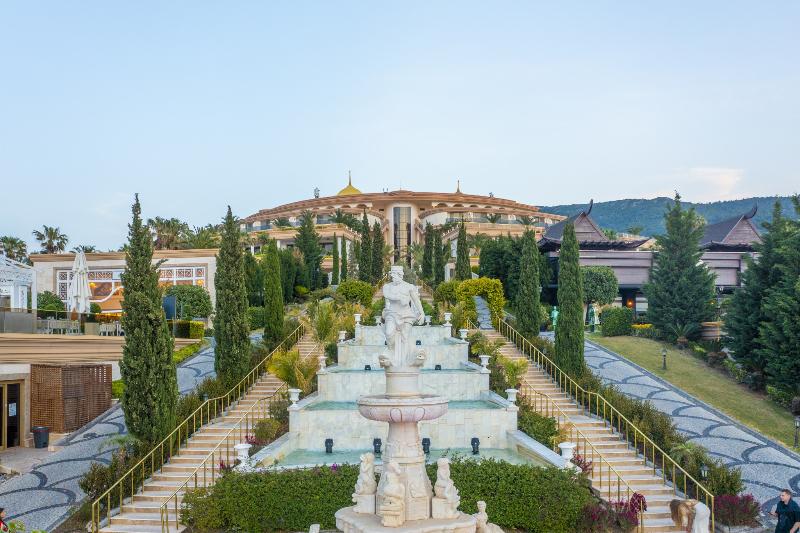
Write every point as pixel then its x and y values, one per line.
pixel 710 331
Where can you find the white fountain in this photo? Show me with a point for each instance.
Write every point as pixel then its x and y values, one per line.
pixel 403 500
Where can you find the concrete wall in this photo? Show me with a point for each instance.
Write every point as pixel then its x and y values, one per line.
pixel 348 386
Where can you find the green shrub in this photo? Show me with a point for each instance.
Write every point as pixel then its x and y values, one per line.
pixel 616 321
pixel 192 301
pixel 537 426
pixel 300 291
pixel 49 301
pixel 734 370
pixel 196 329
pixel 117 388
pixel 781 397
pixel 446 292
pixel 356 291
pixel 266 430
pixel 187 351
pixel 255 317
pixel 292 500
pixel 179 328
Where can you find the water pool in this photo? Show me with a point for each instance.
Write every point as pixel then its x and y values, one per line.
pixel 352 406
pixel 310 458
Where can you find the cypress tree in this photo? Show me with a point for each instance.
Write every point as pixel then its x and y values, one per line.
pixel 681 288
pixel 377 252
pixel 273 297
pixel 353 259
pixel 527 303
pixel 148 370
pixel 254 278
pixel 231 330
pixel 439 258
pixel 343 266
pixel 463 270
pixel 335 261
pixel 746 314
pixel 288 274
pixel 365 257
pixel 569 331
pixel 427 255
pixel 307 241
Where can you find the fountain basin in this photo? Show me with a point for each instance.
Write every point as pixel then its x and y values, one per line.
pixel 402 410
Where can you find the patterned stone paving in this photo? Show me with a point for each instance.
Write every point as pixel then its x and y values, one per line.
pixel 43 498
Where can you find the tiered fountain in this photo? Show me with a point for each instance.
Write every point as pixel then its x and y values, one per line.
pixel 403 499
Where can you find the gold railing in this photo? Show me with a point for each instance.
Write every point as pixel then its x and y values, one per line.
pixel 217 460
pixel 596 404
pixel 133 480
pixel 545 405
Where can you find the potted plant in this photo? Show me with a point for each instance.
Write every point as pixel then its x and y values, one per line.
pixel 682 332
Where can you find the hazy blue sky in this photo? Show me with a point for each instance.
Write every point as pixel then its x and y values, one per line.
pixel 196 105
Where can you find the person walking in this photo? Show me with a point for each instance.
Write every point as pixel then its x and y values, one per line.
pixel 3 525
pixel 788 513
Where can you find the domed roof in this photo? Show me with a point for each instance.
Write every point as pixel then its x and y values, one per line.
pixel 349 190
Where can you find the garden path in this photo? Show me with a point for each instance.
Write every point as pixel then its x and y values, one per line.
pixel 44 497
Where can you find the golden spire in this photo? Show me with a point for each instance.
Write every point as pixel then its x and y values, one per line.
pixel 458 186
pixel 349 190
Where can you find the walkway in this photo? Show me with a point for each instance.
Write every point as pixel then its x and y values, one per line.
pixel 766 466
pixel 44 497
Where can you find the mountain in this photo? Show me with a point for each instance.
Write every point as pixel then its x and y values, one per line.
pixel 620 215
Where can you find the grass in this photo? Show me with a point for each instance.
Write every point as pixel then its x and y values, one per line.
pixel 708 384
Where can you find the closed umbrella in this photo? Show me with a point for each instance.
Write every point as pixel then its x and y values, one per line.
pixel 78 293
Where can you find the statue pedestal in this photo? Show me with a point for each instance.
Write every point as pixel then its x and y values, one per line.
pixel 349 521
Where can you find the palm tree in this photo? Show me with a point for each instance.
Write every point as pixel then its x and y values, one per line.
pixel 168 232
pixel 282 222
pixel 201 237
pixel 14 248
pixel 51 240
pixel 85 248
pixel 477 241
pixel 297 372
pixel 493 218
pixel 525 220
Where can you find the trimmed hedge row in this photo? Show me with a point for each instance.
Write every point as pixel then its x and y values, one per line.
pixel 616 321
pixel 531 498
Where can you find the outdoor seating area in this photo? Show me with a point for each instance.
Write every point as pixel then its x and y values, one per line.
pixel 57 326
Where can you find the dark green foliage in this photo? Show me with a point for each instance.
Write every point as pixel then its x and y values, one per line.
pixel 231 330
pixel 291 265
pixel 335 262
pixel 446 292
pixel 569 331
pixel 427 255
pixel 365 257
pixel 526 302
pixel 535 425
pixel 292 500
pixel 193 301
pixel 254 278
pixel 343 262
pixel 273 296
pixel 49 301
pixel 681 288
pixel 616 321
pixel 147 367
pixel 307 241
pixel 356 291
pixel 377 252
pixel 462 255
pixel 255 317
pixel 746 313
pixel 599 285
pixel 499 259
pixel 440 255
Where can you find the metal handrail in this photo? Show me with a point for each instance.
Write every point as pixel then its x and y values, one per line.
pixel 173 441
pixel 551 408
pixel 609 413
pixel 215 457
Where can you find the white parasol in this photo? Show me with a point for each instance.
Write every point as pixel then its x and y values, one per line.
pixel 78 292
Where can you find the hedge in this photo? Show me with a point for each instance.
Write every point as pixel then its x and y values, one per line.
pixel 255 317
pixel 356 291
pixel 616 321
pixel 446 292
pixel 187 329
pixel 490 289
pixel 527 497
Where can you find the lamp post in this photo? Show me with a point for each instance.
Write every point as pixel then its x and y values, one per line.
pixel 704 472
pixel 664 358
pixel 796 429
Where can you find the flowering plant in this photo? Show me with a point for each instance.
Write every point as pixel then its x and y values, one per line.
pixel 581 462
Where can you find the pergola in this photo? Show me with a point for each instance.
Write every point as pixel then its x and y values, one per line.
pixel 15 280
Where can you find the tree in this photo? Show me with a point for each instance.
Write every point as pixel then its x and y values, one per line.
pixel 365 259
pixel 746 313
pixel 463 270
pixel 192 301
pixel 290 265
pixel 85 248
pixel 427 256
pixel 201 237
pixel 635 229
pixel 14 248
pixel 681 288
pixel 377 244
pixel 527 304
pixel 51 240
pixel 254 280
pixel 352 261
pixel 231 329
pixel 611 234
pixel 150 396
pixel 167 232
pixel 569 331
pixel 600 285
pixel 343 261
pixel 273 297
pixel 335 262
pixel 307 241
pixel 441 254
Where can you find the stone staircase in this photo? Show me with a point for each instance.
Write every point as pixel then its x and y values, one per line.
pixel 612 446
pixel 141 514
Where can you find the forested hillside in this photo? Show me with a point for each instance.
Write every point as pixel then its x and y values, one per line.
pixel 621 215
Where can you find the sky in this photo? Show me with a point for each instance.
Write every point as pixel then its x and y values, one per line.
pixel 199 105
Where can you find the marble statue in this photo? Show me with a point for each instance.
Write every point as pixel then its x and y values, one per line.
pixel 554 317
pixel 482 518
pixel 393 506
pixel 446 501
pixel 366 486
pixel 403 309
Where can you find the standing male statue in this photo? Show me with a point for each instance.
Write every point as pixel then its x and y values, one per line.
pixel 402 310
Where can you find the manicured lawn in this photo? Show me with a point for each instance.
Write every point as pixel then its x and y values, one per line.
pixel 710 385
